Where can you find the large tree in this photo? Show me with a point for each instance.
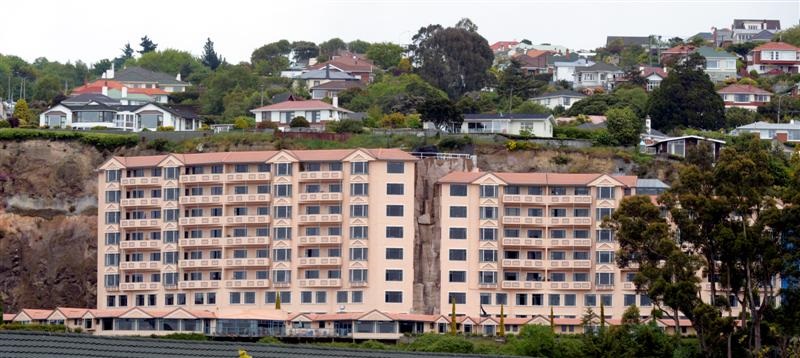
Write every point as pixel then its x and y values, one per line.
pixel 210 58
pixel 790 35
pixel 455 59
pixel 330 48
pixel 514 81
pixel 358 46
pixel 304 50
pixel 147 45
pixel 687 99
pixel 385 54
pixel 441 112
pixel 127 54
pixel 624 126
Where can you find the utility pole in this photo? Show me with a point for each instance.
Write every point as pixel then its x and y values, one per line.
pixel 262 95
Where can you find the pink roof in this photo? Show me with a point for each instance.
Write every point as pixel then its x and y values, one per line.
pixel 108 313
pixel 749 89
pixel 776 46
pixel 568 321
pixel 515 320
pixel 97 87
pixel 141 161
pixel 679 49
pixel 264 314
pixel 8 316
pixel 461 177
pixel 72 312
pixel 647 71
pixel 37 314
pixel 537 53
pixel 413 317
pixel 310 105
pixel 501 44
pixel 536 178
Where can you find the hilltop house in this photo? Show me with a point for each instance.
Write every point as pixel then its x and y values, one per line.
pixel 774 58
pixel 539 125
pixel 782 132
pixel 87 111
pixel 745 29
pixel 654 76
pixel 744 96
pixel 316 112
pixel 600 75
pixel 678 146
pixel 119 91
pixel 138 77
pixel 354 64
pixel 564 98
pixel 565 70
pixel 331 89
pixel 327 74
pixel 720 65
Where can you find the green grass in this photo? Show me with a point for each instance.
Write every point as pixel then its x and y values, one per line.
pixel 101 141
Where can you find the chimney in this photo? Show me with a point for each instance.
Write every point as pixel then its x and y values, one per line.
pixel 328 71
pixel 647 124
pixel 124 92
pixel 109 72
pixel 335 101
pixel 178 77
pixel 105 90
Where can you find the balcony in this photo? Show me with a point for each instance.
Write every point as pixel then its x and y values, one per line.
pixel 247 198
pixel 601 287
pixel 201 242
pixel 358 284
pixel 319 218
pixel 508 241
pixel 570 264
pixel 139 286
pixel 318 197
pixel 202 220
pixel 523 263
pixel 569 199
pixel 242 177
pixel 251 262
pixel 140 223
pixel 201 178
pixel 140 202
pixel 522 220
pixel 140 265
pixel 319 261
pixel 570 285
pixel 198 285
pixel 247 219
pixel 322 282
pixel 247 241
pixel 630 286
pixel 322 175
pixel 214 263
pixel 247 283
pixel 319 240
pixel 140 244
pixel 569 243
pixel 143 181
pixel 569 221
pixel 202 199
pixel 526 199
pixel 523 285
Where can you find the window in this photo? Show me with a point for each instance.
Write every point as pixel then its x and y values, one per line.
pixel 282 233
pixel 112 176
pixel 359 168
pixel 458 233
pixel 554 299
pixel 605 257
pixel 112 259
pixel 558 234
pixel 558 255
pixel 112 238
pixel 458 190
pixel 305 297
pixel 605 192
pixel 605 235
pixel 580 255
pixel 459 298
pixel 500 298
pixel 558 277
pixel 487 277
pixel 394 189
pixel 394 210
pixel 310 167
pixel 580 234
pixel 395 167
pixel 235 298
pixel 581 190
pixel 558 190
pixel 534 255
pixel 537 299
pixel 394 253
pixel 393 297
pixel 359 189
pixel 535 212
pixel 457 276
pixel 359 232
pixel 358 275
pixel 112 217
pixel 486 298
pixel 458 255
pixel 558 212
pixel 487 255
pixel 241 168
pixel 629 300
pixel 262 189
pixel 359 211
pixel 394 275
pixel 512 211
pixel 458 211
pixel 581 213
pixel 341 296
pixel 394 232
pixel 216 190
pixel 511 190
pixel 282 190
pixel 580 277
pixel 488 212
pixel 488 234
pixel 602 213
pixel 311 274
pixel 282 212
pixel 644 300
pixel 604 278
pixel 522 299
pixel 171 215
pixel 312 210
pixel 171 173
pixel 589 300
pixel 112 196
pixel 282 254
pixel 511 233
pixel 283 169
pixel 511 255
pixel 488 191
pixel 358 253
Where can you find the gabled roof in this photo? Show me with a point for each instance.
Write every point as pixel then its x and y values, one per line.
pixel 310 105
pixel 561 93
pixel 748 89
pixel 347 62
pixel 338 85
pixel 97 87
pixel 566 179
pixel 765 35
pixel 286 96
pixel 651 183
pixel 85 98
pixel 537 53
pixel 709 52
pixel 599 67
pixel 72 312
pixel 501 44
pixel 771 24
pixel 35 314
pixel 679 49
pixel 648 71
pixel 672 139
pixel 707 36
pixel 327 75
pixel 767 125
pixel 629 40
pixel 780 46
pixel 521 116
pixel 139 74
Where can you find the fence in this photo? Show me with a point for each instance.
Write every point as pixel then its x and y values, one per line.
pixel 339 137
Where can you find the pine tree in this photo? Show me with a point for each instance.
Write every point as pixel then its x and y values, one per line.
pixel 147 45
pixel 502 331
pixel 277 300
pixel 127 51
pixel 210 57
pixel 23 113
pixel 552 320
pixel 453 317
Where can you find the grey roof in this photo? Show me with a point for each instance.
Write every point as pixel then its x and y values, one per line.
pixel 771 24
pixel 285 96
pixel 138 74
pixel 322 74
pixel 656 133
pixel 22 344
pixel 629 40
pixel 707 52
pixel 598 67
pixel 479 116
pixel 85 98
pixel 707 36
pixel 765 35
pixel 592 126
pixel 568 57
pixel 651 183
pixel 561 93
pixel 767 125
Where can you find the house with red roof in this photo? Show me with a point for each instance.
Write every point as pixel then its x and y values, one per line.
pixel 503 46
pixel 316 112
pixel 354 64
pixel 676 53
pixel 744 96
pixel 125 94
pixel 653 76
pixel 774 57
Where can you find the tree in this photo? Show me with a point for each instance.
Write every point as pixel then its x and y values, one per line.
pixel 514 81
pixel 632 56
pixel 634 98
pixel 736 117
pixel 393 120
pixel 624 126
pixel 526 42
pixel 530 107
pixel 358 46
pixel 331 48
pixel 552 320
pixel 441 112
pixel 147 45
pixel 790 35
pixel 675 41
pixel 277 297
pixel 500 332
pixel 269 51
pixel 47 87
pixel 687 99
pixel 385 54
pixel 23 113
pixel 467 24
pixel 243 122
pixel 127 54
pixel 299 122
pixel 454 59
pixel 304 50
pixel 210 58
pixel 173 62
pixel 741 49
pixel 631 315
pixel 453 317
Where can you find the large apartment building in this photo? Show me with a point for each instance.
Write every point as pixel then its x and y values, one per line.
pixel 328 231
pixel 534 242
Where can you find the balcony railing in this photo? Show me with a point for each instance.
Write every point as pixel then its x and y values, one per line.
pixel 570 264
pixel 527 285
pixel 140 202
pixel 200 263
pixel 148 181
pixel 201 242
pixel 202 199
pixel 140 244
pixel 319 240
pixel 247 219
pixel 139 286
pixel 315 197
pixel 140 265
pixel 508 241
pixel 570 285
pixel 247 283
pixel 522 220
pixel 247 241
pixel 523 263
pixel 199 285
pixel 239 177
pixel 569 242
pixel 569 199
pixel 319 261
pixel 201 178
pixel 250 262
pixel 322 175
pixel 630 286
pixel 569 221
pixel 202 220
pixel 319 218
pixel 322 282
pixel 248 198
pixel 137 223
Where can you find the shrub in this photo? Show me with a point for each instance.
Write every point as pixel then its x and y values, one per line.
pixel 99 128
pixel 269 340
pixel 101 141
pixel 560 159
pixel 165 129
pixel 243 122
pixel 33 327
pixel 454 142
pixel 514 145
pixel 299 122
pixel 184 336
pixel 267 125
pixel 413 121
pixel 431 342
pixel 160 145
pixel 373 345
pixel 5 124
pixel 205 127
pixel 346 126
pixel 393 120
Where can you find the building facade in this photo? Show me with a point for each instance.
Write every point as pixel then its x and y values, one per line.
pixel 327 231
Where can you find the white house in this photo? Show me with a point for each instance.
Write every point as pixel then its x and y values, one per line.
pixel 783 132
pixel 774 58
pixel 539 125
pixel 316 112
pixel 599 75
pixel 720 65
pixel 745 29
pixel 744 96
pixel 137 77
pixel 565 71
pixel 564 98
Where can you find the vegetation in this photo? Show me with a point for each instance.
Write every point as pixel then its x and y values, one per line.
pixel 101 141
pixel 299 122
pixel 34 327
pixel 624 126
pixel 183 336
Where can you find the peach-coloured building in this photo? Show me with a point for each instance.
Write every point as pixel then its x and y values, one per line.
pixel 328 230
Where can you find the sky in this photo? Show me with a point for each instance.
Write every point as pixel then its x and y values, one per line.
pixel 90 30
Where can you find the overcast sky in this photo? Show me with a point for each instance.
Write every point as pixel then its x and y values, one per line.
pixel 91 30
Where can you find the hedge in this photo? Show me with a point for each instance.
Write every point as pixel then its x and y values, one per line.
pixel 33 327
pixel 101 141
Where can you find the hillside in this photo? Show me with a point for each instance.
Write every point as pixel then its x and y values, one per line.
pixel 48 208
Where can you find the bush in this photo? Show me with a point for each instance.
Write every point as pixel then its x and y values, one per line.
pixel 346 126
pixel 160 145
pixel 299 122
pixel 99 128
pixel 205 127
pixel 101 141
pixel 393 120
pixel 373 345
pixel 5 124
pixel 431 342
pixel 267 125
pixel 514 145
pixel 184 336
pixel 243 122
pixel 560 159
pixel 454 142
pixel 33 327
pixel 165 129
pixel 269 340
